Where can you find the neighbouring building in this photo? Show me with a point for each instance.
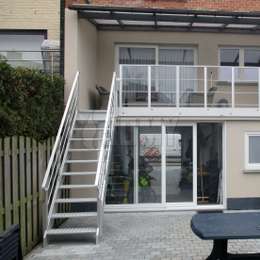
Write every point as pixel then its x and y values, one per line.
pixel 186 90
pixel 30 33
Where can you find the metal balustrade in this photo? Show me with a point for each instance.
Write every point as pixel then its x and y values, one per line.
pixel 105 151
pixel 59 151
pixel 179 87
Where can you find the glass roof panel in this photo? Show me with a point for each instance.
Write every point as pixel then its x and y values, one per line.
pixel 172 24
pixel 207 25
pixel 242 26
pixel 126 22
pixel 106 22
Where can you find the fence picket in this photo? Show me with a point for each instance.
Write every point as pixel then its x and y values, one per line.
pixel 41 170
pixel 22 193
pixel 15 201
pixel 34 191
pixel 7 182
pixel 29 193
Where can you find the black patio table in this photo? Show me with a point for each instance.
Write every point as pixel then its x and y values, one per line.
pixel 221 227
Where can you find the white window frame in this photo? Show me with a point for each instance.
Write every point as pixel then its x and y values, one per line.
pixel 241 53
pixel 157 47
pixel 250 166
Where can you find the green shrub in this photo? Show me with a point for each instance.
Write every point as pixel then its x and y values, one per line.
pixel 31 102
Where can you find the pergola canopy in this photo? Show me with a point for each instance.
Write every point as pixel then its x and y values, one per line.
pixel 146 19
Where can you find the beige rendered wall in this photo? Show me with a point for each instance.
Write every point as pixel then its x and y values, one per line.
pixel 87 58
pixel 80 55
pixel 239 183
pixel 207 45
pixel 31 14
pixel 71 49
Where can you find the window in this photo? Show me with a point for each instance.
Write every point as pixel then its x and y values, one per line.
pixel 147 55
pixel 22 48
pixel 243 57
pixel 130 55
pixel 175 56
pixel 229 57
pixel 252 57
pixel 252 151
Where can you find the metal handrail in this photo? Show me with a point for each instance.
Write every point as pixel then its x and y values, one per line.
pixel 109 117
pixel 105 151
pixel 57 157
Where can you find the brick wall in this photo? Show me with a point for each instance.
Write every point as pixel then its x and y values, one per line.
pixel 31 14
pixel 227 5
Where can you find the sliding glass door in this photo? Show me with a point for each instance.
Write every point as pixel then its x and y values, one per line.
pixel 168 165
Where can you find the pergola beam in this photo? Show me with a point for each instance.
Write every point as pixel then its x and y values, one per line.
pixel 179 29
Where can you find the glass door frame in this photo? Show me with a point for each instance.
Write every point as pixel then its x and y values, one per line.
pixel 171 205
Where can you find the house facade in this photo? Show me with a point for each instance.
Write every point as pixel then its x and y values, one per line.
pixel 181 128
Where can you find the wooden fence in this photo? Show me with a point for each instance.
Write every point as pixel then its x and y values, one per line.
pixel 23 162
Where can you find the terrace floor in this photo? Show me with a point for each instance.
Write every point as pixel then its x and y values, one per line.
pixel 127 236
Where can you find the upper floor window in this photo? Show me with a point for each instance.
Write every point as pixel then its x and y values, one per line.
pixel 252 57
pixel 150 55
pixel 243 57
pixel 252 151
pixel 229 57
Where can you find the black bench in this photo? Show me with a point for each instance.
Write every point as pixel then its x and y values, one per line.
pixel 10 247
pixel 221 227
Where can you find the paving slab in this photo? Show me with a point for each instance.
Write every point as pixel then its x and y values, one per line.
pixel 142 236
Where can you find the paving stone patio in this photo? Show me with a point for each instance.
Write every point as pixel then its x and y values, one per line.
pixel 127 236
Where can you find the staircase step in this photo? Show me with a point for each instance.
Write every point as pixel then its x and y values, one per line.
pixel 81 161
pixel 83 150
pixel 77 186
pixel 67 231
pixel 78 173
pixel 74 215
pixel 76 200
pixel 85 139
pixel 87 129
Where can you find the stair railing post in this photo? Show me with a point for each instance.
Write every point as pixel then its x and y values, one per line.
pixel 177 86
pixel 121 86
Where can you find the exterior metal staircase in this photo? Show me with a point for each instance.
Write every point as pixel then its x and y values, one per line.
pixel 75 180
